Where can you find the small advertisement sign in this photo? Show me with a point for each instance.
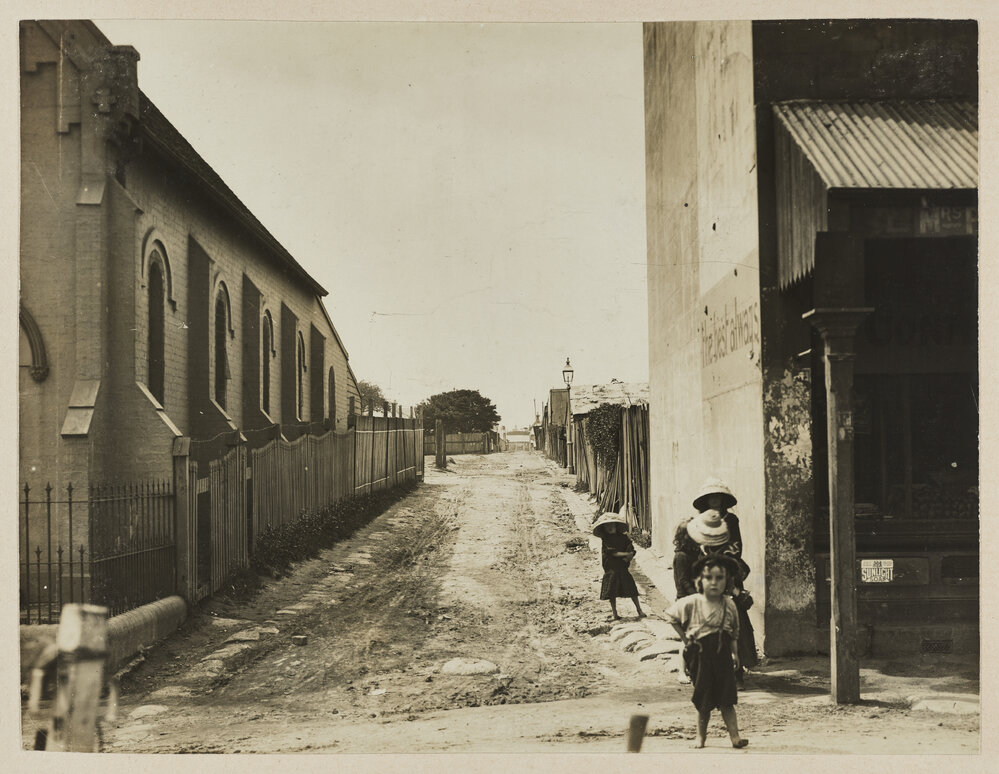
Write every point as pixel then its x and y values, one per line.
pixel 877 570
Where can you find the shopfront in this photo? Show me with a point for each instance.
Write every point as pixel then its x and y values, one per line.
pixel 897 180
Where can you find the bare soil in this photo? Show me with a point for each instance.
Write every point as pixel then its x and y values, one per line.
pixel 482 562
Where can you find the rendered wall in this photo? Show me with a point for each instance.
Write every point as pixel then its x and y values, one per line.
pixel 703 277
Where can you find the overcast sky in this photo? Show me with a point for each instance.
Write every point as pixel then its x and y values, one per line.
pixel 472 196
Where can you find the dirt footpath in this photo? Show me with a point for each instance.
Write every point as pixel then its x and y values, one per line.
pixel 466 618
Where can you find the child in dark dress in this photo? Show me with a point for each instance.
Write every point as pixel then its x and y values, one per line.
pixel 616 554
pixel 708 624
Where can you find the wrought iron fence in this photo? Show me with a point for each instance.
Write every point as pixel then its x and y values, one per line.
pixel 115 547
pixel 47 583
pixel 133 553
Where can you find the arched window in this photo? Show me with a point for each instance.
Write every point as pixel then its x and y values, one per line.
pixel 221 356
pixel 301 376
pixel 267 337
pixel 156 333
pixel 332 389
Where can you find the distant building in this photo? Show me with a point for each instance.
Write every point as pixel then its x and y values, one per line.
pixel 554 423
pixel 817 165
pixel 517 440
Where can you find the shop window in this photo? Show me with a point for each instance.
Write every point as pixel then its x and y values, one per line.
pixel 916 445
pixel 155 349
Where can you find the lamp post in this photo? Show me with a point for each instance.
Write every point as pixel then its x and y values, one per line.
pixel 567 378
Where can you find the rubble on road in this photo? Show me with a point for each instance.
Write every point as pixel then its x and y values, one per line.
pixel 468 666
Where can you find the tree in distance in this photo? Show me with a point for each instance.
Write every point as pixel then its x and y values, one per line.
pixel 371 394
pixel 463 411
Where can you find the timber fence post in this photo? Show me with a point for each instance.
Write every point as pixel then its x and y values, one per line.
pixel 82 644
pixel 184 584
pixel 440 445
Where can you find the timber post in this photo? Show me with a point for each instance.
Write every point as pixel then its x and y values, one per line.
pixel 440 445
pixel 82 644
pixel 839 293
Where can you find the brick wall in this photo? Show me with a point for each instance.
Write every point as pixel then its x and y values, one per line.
pixel 84 275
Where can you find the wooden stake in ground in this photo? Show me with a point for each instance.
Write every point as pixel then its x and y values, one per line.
pixel 440 446
pixel 82 643
pixel 636 732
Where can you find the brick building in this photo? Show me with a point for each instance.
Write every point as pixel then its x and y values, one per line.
pixel 154 305
pixel 801 176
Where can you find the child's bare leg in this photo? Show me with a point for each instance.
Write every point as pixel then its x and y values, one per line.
pixel 732 724
pixel 702 729
pixel 638 607
pixel 614 608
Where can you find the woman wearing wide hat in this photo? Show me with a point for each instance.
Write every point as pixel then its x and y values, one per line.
pixel 715 529
pixel 616 554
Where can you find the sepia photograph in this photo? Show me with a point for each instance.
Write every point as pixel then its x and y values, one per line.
pixel 505 386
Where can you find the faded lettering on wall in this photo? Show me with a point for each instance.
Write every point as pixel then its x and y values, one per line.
pixel 729 330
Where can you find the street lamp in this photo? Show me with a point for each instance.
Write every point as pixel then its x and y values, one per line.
pixel 567 378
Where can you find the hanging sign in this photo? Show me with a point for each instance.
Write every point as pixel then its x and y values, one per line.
pixel 877 570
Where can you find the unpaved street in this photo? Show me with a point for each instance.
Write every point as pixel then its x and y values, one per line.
pixel 483 563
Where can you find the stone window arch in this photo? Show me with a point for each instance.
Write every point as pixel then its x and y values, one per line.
pixel 267 353
pixel 154 252
pixel 39 368
pixel 221 332
pixel 301 375
pixel 156 331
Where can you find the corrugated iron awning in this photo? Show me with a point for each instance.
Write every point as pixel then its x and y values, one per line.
pixel 897 144
pixel 931 145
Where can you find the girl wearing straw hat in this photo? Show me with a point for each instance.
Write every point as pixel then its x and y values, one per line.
pixel 616 554
pixel 715 530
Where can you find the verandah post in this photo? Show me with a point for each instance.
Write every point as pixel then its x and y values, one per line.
pixel 839 293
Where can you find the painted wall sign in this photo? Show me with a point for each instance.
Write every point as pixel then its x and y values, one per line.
pixel 916 222
pixel 877 570
pixel 730 330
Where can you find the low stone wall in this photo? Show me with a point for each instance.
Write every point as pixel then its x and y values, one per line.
pixel 138 628
pixel 127 633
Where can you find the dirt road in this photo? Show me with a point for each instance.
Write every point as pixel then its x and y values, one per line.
pixel 466 618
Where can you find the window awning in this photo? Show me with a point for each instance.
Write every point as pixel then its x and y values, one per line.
pixel 900 145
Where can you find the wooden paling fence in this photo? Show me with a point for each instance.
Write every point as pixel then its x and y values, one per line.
pixel 626 481
pixel 304 475
pixel 461 443
pixel 229 538
pixel 248 491
pixel 386 452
